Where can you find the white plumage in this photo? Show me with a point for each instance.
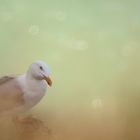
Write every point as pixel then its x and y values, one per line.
pixel 20 93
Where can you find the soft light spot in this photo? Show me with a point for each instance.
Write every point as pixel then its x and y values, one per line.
pixel 97 103
pixel 81 45
pixel 72 43
pixel 60 16
pixel 33 29
pixel 129 49
pixel 78 45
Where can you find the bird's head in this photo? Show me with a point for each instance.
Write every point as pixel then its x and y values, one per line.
pixel 39 71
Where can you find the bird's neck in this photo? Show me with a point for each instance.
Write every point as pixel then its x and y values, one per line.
pixel 33 89
pixel 35 85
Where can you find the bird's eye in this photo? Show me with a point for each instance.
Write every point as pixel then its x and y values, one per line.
pixel 41 67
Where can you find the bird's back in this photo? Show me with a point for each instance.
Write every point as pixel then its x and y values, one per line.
pixel 5 79
pixel 11 95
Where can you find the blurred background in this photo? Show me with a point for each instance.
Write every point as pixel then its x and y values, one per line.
pixel 93 50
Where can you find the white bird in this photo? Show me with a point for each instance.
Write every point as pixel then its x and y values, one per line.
pixel 21 92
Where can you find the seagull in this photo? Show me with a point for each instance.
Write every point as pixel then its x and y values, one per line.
pixel 20 93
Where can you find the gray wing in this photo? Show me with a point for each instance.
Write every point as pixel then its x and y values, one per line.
pixel 11 95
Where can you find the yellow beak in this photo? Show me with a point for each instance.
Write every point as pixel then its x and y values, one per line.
pixel 48 80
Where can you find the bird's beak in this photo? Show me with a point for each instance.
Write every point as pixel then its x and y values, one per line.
pixel 48 80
